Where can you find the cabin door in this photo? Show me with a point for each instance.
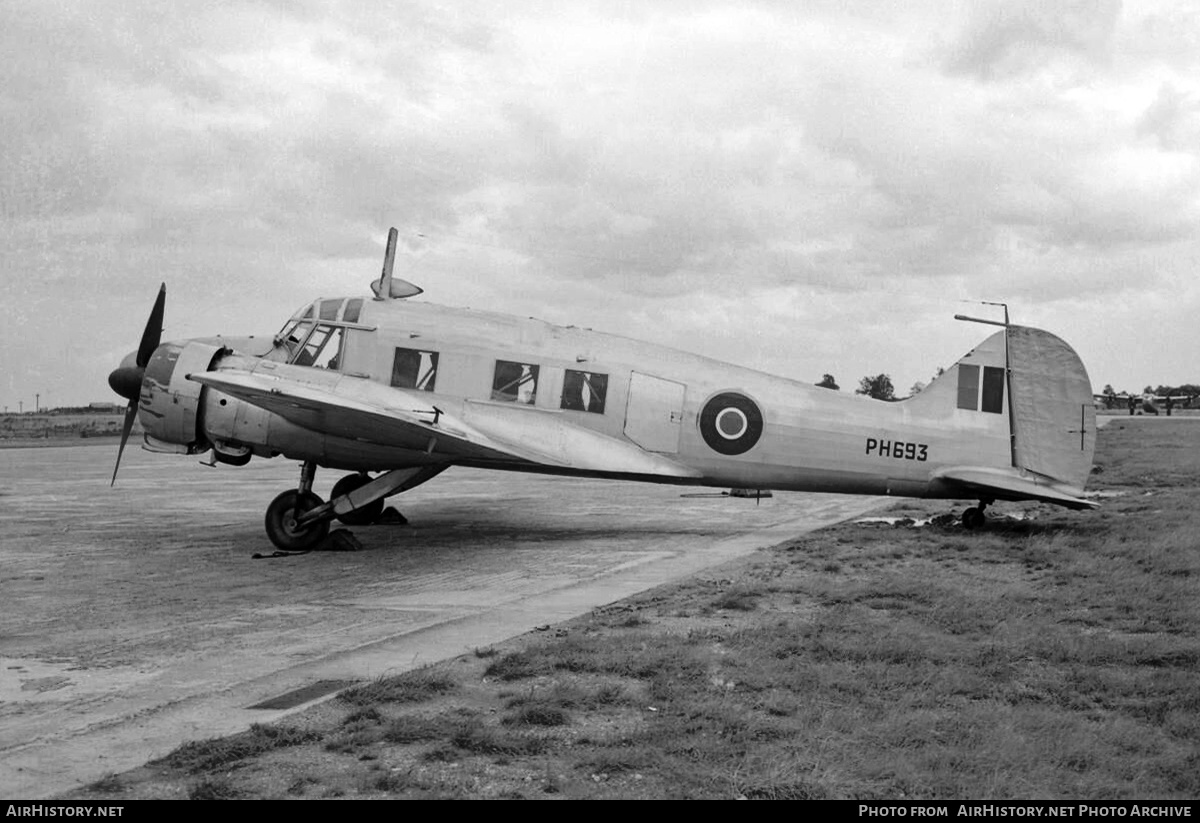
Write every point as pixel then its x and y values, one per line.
pixel 654 412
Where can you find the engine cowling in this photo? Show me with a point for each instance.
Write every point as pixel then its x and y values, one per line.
pixel 170 403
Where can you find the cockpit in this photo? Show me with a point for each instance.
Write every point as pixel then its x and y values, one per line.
pixel 316 334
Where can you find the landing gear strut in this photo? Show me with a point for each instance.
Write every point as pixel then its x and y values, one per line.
pixel 284 513
pixel 298 520
pixel 974 518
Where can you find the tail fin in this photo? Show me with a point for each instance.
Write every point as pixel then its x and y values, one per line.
pixel 1025 398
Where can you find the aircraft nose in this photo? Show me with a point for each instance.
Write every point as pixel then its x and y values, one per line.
pixel 126 379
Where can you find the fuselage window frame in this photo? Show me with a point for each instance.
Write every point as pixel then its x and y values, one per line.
pixel 414 369
pixel 584 391
pixel 515 382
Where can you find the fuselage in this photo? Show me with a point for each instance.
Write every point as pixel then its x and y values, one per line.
pixel 728 425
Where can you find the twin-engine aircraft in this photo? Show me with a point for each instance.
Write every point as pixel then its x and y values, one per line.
pixel 395 391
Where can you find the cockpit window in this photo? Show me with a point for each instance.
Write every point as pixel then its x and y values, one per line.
pixel 314 334
pixel 288 333
pixel 322 349
pixel 293 336
pixel 515 382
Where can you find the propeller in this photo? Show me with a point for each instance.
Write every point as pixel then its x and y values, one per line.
pixel 126 379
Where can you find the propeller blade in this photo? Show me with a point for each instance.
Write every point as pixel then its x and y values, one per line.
pixel 126 379
pixel 153 331
pixel 130 414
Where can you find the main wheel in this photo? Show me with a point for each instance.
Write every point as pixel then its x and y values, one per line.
pixel 363 516
pixel 281 522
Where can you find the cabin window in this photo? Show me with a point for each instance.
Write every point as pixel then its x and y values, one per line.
pixel 584 391
pixel 993 389
pixel 414 369
pixel 515 382
pixel 322 349
pixel 968 387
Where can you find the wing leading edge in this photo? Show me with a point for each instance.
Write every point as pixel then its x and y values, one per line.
pixel 359 409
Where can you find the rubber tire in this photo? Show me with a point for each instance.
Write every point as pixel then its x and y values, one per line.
pixel 281 522
pixel 364 516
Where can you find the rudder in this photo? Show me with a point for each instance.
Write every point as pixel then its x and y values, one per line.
pixel 1053 417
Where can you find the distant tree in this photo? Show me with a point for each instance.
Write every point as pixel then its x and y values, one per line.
pixel 917 388
pixel 1148 390
pixel 827 382
pixel 879 387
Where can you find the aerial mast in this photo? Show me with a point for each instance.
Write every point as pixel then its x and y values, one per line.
pixel 1012 418
pixel 387 287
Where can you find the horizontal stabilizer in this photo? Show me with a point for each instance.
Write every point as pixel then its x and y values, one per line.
pixel 1008 484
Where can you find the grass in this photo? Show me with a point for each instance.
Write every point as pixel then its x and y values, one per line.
pixel 1052 657
pixel 410 687
pixel 217 753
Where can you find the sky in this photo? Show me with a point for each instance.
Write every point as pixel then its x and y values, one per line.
pixel 802 188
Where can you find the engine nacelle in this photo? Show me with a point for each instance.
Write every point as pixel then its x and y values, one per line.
pixel 235 429
pixel 170 403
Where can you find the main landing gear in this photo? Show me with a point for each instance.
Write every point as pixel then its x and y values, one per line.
pixel 974 518
pixel 283 520
pixel 297 520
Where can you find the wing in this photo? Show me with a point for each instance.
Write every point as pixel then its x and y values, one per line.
pixel 407 423
pixel 359 409
pixel 1009 484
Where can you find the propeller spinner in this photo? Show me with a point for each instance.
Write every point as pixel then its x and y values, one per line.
pixel 126 379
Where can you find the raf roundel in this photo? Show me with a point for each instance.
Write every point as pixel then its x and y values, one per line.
pixel 731 423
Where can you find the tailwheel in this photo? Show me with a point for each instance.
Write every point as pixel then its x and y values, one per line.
pixel 281 521
pixel 364 515
pixel 973 518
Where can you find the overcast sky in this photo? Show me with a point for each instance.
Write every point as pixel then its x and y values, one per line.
pixel 799 187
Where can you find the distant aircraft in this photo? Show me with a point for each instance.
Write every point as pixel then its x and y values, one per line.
pixel 1142 403
pixel 395 391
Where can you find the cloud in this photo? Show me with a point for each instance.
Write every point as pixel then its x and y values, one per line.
pixel 705 169
pixel 1002 38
